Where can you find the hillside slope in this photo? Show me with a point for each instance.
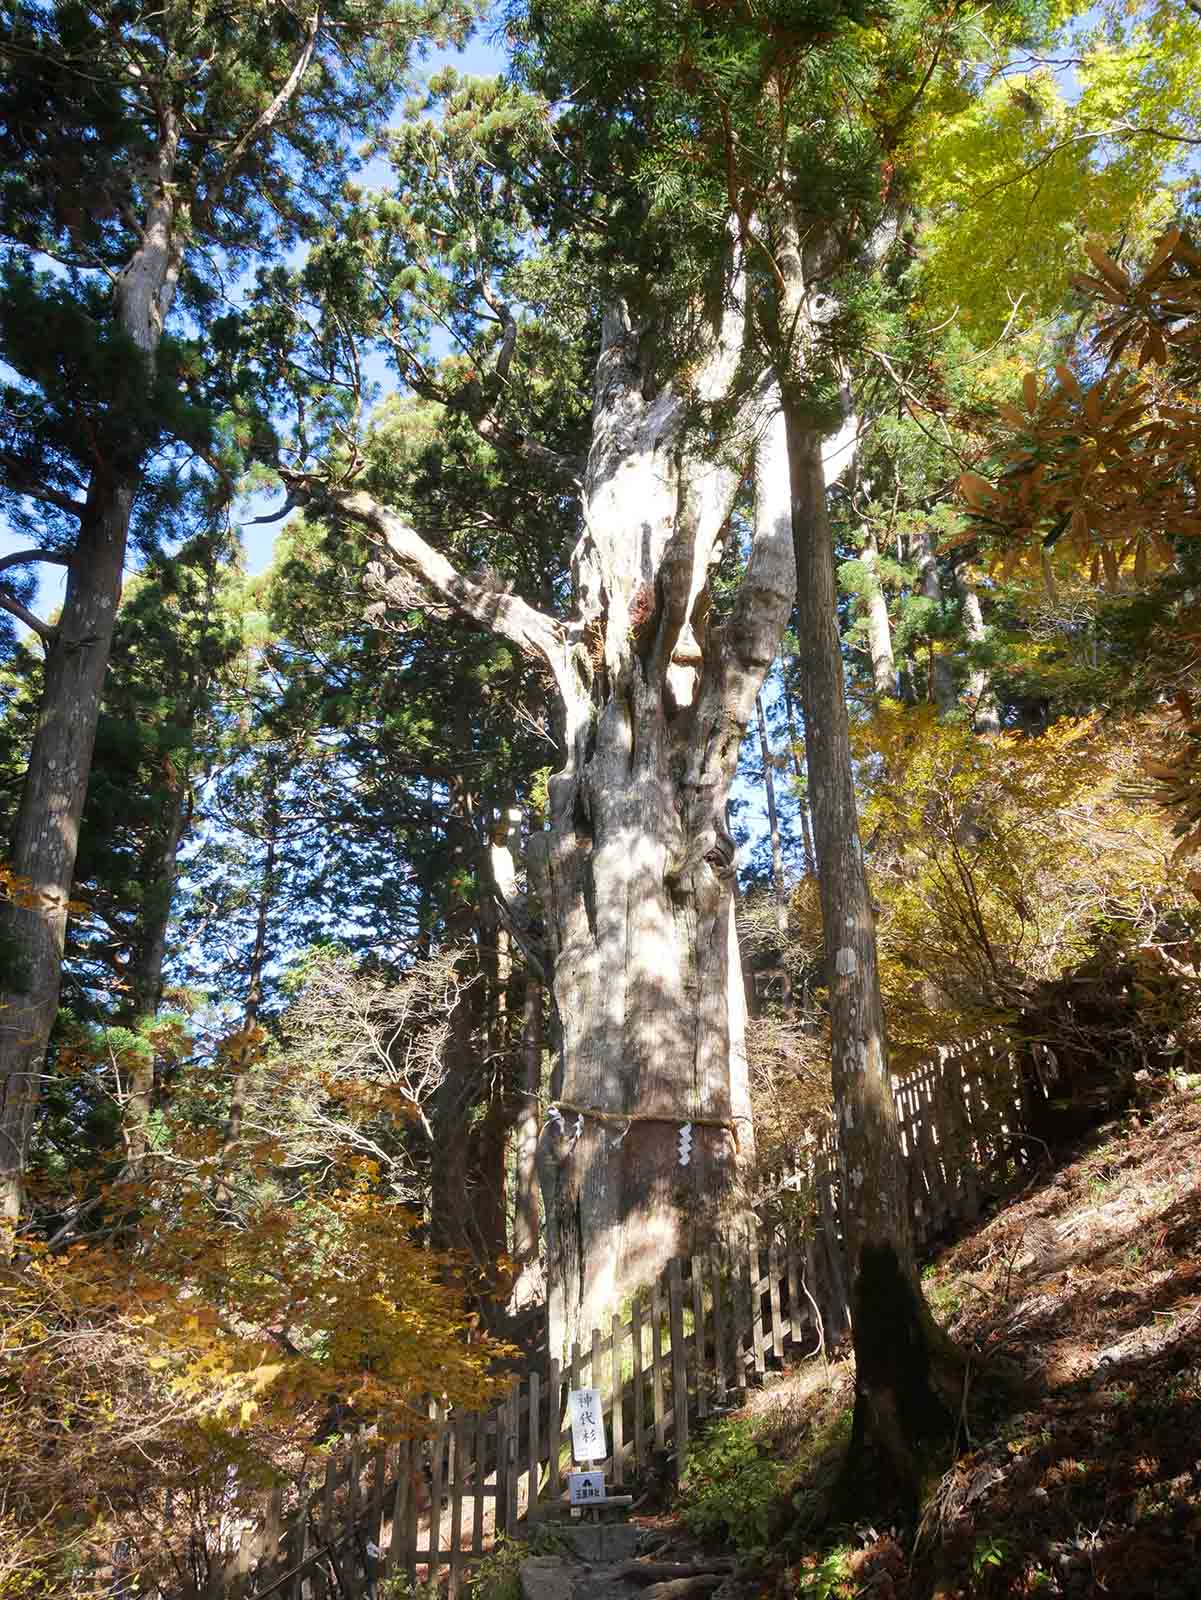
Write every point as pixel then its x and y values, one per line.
pixel 1081 1477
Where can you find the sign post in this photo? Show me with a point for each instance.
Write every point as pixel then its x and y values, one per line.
pixel 587 1425
pixel 584 1406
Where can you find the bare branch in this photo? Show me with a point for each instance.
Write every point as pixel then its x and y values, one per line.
pixel 20 481
pixel 44 631
pixel 264 121
pixel 493 607
pixel 21 558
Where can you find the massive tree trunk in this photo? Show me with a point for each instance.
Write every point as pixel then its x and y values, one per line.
pixel 634 870
pixel 47 828
pixel 906 1372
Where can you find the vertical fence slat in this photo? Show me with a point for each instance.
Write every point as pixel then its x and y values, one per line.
pixel 679 1368
pixel 773 1299
pixel 637 1379
pixel 821 1295
pixel 437 1474
pixel 328 1489
pixel 535 1456
pixel 273 1530
pixel 754 1299
pixel 403 1466
pixel 298 1533
pixel 698 1336
pixel 595 1376
pixel 657 1363
pixel 513 1469
pixel 457 1477
pixel 796 1320
pixel 502 1467
pixel 554 1442
pixel 349 1550
pixel 479 1450
pixel 379 1477
pixel 618 1381
pixel 413 1511
pixel 719 1320
pixel 244 1560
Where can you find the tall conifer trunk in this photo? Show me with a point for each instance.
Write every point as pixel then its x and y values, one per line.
pixel 907 1373
pixel 46 833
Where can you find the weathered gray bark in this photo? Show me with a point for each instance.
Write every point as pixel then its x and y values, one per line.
pixel 942 678
pixel 779 887
pixel 879 628
pixel 634 870
pixel 986 716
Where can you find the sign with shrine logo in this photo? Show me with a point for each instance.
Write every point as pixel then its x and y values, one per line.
pixel 587 1425
pixel 586 1488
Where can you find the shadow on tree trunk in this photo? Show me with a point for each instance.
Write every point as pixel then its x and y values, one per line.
pixel 910 1390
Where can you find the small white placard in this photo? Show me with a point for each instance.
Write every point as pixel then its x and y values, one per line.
pixel 586 1488
pixel 587 1424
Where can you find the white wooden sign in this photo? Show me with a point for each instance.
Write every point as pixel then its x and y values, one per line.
pixel 586 1488
pixel 587 1425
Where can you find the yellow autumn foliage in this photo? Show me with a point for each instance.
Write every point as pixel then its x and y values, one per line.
pixel 206 1337
pixel 1000 863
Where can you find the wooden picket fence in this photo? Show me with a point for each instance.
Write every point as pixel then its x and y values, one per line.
pixel 710 1327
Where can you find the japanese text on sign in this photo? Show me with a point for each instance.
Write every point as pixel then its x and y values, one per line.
pixel 587 1425
pixel 586 1488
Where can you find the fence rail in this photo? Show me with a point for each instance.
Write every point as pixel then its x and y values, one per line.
pixel 709 1327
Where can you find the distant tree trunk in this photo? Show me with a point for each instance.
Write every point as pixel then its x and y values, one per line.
pixel 634 871
pixel 795 740
pixel 526 1214
pixel 160 870
pixel 879 628
pixel 779 887
pixel 488 1193
pixel 451 1212
pixel 906 1371
pixel 46 834
pixel 243 1052
pixel 942 679
pixel 986 717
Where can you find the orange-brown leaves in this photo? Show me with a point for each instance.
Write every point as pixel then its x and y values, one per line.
pixel 1106 471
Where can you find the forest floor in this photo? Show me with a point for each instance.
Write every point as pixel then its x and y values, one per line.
pixel 1082 1476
